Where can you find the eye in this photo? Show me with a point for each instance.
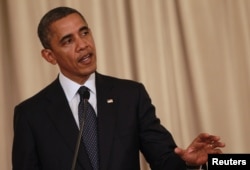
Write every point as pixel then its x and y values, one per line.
pixel 67 41
pixel 85 32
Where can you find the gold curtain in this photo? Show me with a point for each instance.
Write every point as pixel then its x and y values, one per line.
pixel 193 56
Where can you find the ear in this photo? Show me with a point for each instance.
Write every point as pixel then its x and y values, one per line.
pixel 48 55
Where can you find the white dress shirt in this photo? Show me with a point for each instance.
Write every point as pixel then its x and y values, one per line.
pixel 70 89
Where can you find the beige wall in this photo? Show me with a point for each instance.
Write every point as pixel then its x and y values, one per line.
pixel 192 55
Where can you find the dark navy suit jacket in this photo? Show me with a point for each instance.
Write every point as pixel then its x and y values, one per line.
pixel 45 131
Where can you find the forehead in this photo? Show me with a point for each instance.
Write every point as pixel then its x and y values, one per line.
pixel 66 25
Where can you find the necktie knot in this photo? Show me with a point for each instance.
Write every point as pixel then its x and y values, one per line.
pixel 84 92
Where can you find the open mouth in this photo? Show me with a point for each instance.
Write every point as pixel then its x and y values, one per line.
pixel 85 59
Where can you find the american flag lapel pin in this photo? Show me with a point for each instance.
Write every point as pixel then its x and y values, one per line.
pixel 110 100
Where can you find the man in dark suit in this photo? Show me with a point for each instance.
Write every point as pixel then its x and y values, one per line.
pixel 46 125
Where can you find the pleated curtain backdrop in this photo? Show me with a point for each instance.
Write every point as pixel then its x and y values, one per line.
pixel 193 56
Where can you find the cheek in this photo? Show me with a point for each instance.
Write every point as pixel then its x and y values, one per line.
pixel 65 59
pixel 66 55
pixel 91 42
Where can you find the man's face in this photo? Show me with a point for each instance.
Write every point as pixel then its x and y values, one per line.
pixel 72 48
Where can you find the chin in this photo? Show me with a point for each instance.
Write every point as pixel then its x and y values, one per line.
pixel 90 71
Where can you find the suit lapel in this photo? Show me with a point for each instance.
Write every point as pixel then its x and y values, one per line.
pixel 107 113
pixel 61 115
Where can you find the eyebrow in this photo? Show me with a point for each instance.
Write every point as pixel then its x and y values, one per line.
pixel 70 35
pixel 83 28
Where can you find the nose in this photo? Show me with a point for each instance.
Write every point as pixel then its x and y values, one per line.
pixel 81 44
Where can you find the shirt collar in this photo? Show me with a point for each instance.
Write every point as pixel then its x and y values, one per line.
pixel 70 87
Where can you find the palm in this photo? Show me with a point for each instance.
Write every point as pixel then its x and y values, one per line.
pixel 196 156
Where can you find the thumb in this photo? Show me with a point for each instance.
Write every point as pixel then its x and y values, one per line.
pixel 179 151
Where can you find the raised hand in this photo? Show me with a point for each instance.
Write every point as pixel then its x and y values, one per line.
pixel 197 152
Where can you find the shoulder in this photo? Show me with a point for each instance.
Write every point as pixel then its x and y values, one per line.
pixel 37 99
pixel 117 82
pixel 121 87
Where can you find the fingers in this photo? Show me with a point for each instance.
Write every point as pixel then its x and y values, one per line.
pixel 204 142
pixel 214 144
pixel 215 151
pixel 213 147
pixel 217 144
pixel 208 138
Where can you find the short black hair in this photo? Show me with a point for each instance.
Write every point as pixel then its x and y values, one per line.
pixel 51 16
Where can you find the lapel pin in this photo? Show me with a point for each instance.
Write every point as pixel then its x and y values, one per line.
pixel 110 101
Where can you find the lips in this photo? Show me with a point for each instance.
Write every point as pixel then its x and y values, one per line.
pixel 85 59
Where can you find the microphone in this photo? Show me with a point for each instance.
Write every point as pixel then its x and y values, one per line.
pixel 85 98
